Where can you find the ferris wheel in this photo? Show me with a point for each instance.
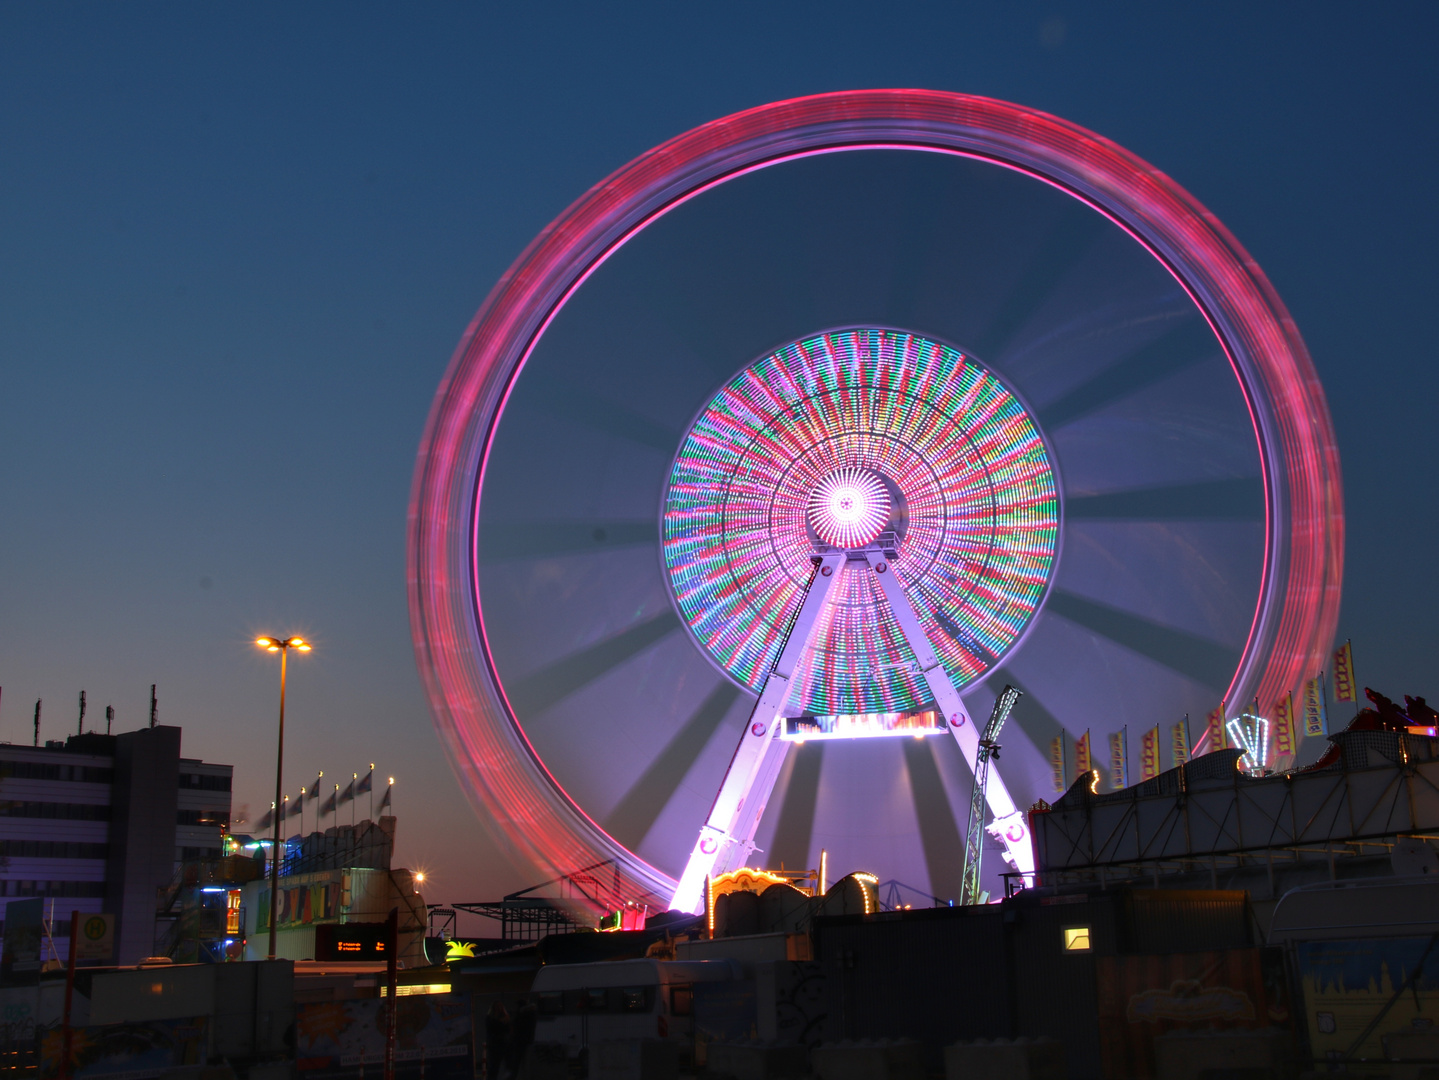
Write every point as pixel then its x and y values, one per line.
pixel 791 443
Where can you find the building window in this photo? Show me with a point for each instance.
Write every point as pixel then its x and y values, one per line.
pixel 1076 939
pixel 53 888
pixel 57 810
pixel 40 770
pixel 204 782
pixel 52 849
pixel 203 817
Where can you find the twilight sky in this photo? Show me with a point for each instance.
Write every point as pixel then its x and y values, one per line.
pixel 238 244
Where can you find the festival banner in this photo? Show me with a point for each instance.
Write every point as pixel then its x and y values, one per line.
pixel 1149 754
pixel 1056 761
pixel 1344 674
pixel 1179 742
pixel 1214 732
pixel 1316 722
pixel 1284 741
pixel 1083 762
pixel 1118 763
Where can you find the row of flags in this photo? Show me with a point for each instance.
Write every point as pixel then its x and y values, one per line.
pixel 328 804
pixel 1251 731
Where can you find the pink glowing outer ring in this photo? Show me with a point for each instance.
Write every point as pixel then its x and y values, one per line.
pixel 1298 607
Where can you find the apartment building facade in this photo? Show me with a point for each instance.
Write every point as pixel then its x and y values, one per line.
pixel 101 822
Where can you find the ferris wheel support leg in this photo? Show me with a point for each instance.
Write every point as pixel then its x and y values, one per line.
pixel 728 826
pixel 1009 824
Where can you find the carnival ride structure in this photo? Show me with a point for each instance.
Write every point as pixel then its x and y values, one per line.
pixel 1040 417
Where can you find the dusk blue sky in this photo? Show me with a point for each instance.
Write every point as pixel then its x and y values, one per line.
pixel 238 244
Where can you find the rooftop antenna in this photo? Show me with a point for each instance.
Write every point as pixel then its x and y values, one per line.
pixel 37 720
pixel 109 717
pixel 154 705
pixel 81 729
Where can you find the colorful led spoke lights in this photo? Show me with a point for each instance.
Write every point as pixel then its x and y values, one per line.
pixel 807 443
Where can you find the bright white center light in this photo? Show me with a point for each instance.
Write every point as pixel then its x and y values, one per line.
pixel 849 508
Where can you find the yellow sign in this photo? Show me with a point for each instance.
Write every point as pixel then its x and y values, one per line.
pixel 96 940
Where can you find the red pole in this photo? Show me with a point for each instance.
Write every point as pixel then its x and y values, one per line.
pixel 392 947
pixel 69 996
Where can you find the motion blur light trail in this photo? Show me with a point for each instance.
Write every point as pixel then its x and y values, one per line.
pixel 590 667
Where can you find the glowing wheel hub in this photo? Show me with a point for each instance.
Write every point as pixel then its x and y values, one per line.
pixel 849 508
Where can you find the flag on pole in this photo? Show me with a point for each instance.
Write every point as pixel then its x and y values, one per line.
pixel 1118 761
pixel 367 786
pixel 1149 754
pixel 1316 722
pixel 266 821
pixel 317 787
pixel 1056 761
pixel 1284 741
pixel 1179 741
pixel 1214 730
pixel 285 810
pixel 385 802
pixel 328 807
pixel 1344 674
pixel 349 793
pixel 1083 762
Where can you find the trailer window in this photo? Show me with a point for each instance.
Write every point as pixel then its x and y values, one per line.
pixel 635 999
pixel 552 1004
pixel 595 1000
pixel 682 1001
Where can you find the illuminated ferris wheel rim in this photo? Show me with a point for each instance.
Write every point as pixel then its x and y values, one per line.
pixel 1296 611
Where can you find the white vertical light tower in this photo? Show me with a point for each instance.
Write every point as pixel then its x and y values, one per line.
pixel 849 511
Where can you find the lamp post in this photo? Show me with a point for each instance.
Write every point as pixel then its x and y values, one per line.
pixel 283 647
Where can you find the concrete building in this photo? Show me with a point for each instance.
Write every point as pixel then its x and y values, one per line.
pixel 100 822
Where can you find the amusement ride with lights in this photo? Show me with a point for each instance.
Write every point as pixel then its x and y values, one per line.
pixel 816 422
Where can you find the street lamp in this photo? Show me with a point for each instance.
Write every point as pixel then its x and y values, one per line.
pixel 283 647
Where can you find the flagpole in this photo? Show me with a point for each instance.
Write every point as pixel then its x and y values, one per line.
pixel 1353 674
pixel 1324 702
pixel 1124 744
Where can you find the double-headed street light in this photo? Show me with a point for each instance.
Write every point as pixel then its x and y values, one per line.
pixel 283 647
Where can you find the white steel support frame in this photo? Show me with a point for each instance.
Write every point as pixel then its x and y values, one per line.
pixel 727 836
pixel 1009 825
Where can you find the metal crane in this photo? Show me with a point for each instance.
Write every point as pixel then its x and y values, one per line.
pixel 988 748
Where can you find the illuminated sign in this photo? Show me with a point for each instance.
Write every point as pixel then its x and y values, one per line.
pixel 863 726
pixel 1076 939
pixel 351 941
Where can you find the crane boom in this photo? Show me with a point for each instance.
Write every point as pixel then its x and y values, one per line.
pixel 988 748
